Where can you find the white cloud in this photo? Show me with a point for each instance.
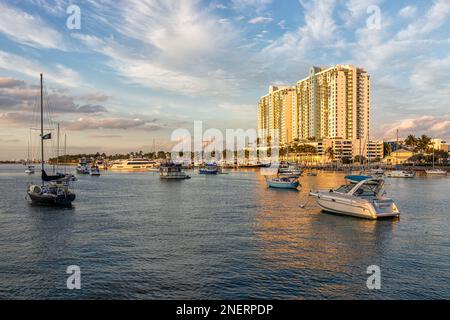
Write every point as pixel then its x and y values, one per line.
pixel 180 30
pixel 258 20
pixel 434 19
pixel 254 4
pixel 28 29
pixel 58 74
pixel 152 73
pixel 319 28
pixel 408 12
pixel 433 126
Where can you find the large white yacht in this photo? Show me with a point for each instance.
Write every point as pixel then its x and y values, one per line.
pixel 134 164
pixel 365 199
pixel 400 174
pixel 436 172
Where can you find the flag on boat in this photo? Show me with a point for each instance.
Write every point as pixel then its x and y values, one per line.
pixel 47 136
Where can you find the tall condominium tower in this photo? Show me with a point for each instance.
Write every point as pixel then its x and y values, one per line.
pixel 275 112
pixel 330 103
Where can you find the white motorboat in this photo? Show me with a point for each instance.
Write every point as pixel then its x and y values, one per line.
pixel 289 170
pixel 83 166
pixel 436 172
pixel 172 171
pixel 365 199
pixel 94 171
pixel 400 174
pixel 30 170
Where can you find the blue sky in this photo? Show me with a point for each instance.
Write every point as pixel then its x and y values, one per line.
pixel 137 70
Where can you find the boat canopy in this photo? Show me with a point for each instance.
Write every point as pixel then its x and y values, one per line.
pixel 48 178
pixel 357 178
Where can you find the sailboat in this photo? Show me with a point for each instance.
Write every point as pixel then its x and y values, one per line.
pixel 434 171
pixel 54 190
pixel 30 168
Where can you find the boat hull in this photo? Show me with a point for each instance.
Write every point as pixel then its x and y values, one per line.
pixel 436 173
pixel 357 208
pixel 51 200
pixel 281 185
pixel 175 177
pixel 209 172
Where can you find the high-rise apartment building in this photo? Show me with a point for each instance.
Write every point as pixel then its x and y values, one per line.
pixel 331 103
pixel 275 114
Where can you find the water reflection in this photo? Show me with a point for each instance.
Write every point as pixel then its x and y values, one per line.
pixel 308 239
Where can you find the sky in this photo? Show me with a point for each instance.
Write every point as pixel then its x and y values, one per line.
pixel 136 70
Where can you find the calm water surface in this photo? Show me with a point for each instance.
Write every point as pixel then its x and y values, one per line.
pixel 220 237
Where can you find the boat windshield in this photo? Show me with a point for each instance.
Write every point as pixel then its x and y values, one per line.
pixel 345 188
pixel 368 190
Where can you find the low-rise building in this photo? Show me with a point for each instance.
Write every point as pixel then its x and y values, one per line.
pixel 398 157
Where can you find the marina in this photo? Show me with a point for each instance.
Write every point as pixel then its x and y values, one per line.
pixel 256 242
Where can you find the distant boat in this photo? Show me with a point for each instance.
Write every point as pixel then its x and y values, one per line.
pixel 172 171
pixel 83 167
pixel 289 170
pixel 30 169
pixel 54 190
pixel 436 172
pixel 209 168
pixel 94 171
pixel 283 183
pixel 400 174
pixel 134 164
pixel 364 199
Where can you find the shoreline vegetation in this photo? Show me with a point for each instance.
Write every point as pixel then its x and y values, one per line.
pixel 298 151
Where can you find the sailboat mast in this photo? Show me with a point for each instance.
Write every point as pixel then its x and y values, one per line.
pixel 65 152
pixel 57 150
pixel 42 125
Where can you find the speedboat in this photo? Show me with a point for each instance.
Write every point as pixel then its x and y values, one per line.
pixel 82 167
pixel 209 168
pixel 436 172
pixel 377 172
pixel 30 170
pixel 283 183
pixel 365 199
pixel 400 174
pixel 94 171
pixel 172 171
pixel 289 170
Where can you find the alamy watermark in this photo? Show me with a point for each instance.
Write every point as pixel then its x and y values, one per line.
pixel 374 280
pixel 73 21
pixel 74 280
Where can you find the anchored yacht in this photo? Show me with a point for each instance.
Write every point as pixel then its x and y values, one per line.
pixel 365 199
pixel 134 164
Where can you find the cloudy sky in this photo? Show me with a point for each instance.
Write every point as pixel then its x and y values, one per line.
pixel 136 70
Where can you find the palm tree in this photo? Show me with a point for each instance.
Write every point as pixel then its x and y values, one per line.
pixel 330 153
pixel 411 141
